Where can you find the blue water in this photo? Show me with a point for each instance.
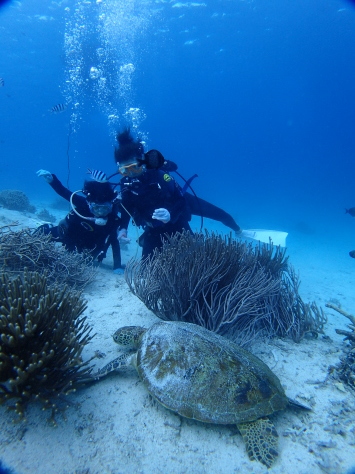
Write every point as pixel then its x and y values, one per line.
pixel 256 97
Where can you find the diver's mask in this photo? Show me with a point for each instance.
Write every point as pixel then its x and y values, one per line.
pixel 100 209
pixel 131 170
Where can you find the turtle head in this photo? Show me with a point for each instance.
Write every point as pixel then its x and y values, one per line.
pixel 128 336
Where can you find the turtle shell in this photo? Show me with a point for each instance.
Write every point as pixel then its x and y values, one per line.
pixel 204 376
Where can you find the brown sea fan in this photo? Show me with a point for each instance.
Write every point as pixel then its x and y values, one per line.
pixel 39 253
pixel 230 287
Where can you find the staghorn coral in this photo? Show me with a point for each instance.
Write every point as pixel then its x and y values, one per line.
pixel 345 370
pixel 229 287
pixel 37 252
pixel 15 200
pixel 42 335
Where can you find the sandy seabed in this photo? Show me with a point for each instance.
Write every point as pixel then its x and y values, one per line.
pixel 115 426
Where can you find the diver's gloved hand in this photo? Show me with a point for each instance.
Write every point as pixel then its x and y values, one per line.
pixel 47 175
pixel 122 236
pixel 162 215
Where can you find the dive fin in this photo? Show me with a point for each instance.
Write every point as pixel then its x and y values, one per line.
pixel 275 236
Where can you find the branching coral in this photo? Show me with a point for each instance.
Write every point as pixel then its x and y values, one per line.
pixel 37 252
pixel 346 369
pixel 227 286
pixel 15 200
pixel 42 336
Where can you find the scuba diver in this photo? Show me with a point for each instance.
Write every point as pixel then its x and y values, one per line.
pixel 149 195
pixel 153 198
pixel 197 206
pixel 93 223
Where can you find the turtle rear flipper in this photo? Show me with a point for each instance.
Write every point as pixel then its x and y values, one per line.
pixel 261 440
pixel 296 404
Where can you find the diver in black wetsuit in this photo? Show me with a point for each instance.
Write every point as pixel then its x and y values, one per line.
pixel 196 205
pixel 200 207
pixel 93 222
pixel 151 196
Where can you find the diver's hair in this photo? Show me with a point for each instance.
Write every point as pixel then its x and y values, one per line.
pixel 128 147
pixel 98 192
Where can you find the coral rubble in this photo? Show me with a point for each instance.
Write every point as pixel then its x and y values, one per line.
pixel 345 371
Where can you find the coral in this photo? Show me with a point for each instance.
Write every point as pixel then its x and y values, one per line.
pixel 61 205
pixel 44 215
pixel 15 200
pixel 37 252
pixel 345 370
pixel 42 336
pixel 229 287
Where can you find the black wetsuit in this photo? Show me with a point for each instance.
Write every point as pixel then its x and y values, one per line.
pixel 200 207
pixel 151 190
pixel 80 234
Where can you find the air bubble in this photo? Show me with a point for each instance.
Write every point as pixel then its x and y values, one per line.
pixel 94 73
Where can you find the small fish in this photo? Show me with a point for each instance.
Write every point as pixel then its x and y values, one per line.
pixel 352 253
pixel 98 175
pixel 56 109
pixel 2 82
pixel 350 211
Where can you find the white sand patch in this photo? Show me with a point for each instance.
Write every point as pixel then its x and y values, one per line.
pixel 116 427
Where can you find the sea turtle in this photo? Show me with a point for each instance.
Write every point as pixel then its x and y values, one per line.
pixel 201 375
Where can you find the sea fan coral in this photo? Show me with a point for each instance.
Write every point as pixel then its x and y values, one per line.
pixel 42 336
pixel 38 252
pixel 228 286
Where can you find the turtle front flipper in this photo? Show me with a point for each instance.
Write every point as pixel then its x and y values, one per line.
pixel 120 363
pixel 261 440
